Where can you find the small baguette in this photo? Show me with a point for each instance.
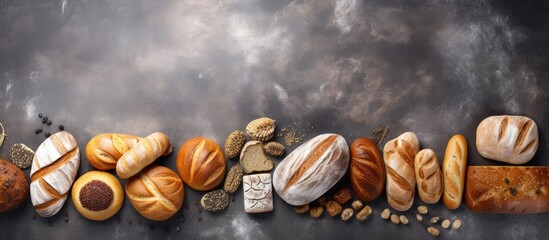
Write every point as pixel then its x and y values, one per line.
pixel 104 150
pixel 453 170
pixel 143 154
pixel 428 176
pixel 507 189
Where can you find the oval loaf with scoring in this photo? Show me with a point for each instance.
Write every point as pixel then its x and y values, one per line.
pixel 399 155
pixel 311 169
pixel 453 170
pixel 510 139
pixel 428 176
pixel 367 169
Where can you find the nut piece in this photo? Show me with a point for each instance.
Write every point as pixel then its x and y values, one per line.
pixel 302 208
pixel 364 213
pixel 395 219
pixel 357 205
pixel 274 149
pixel 342 196
pixel 316 211
pixel 434 220
pixel 333 208
pixel 422 209
pixel 347 214
pixel 234 143
pixel 445 223
pixel 322 200
pixel 233 179
pixel 433 231
pixel 419 217
pixel 261 129
pixel 386 213
pixel 456 224
pixel 403 219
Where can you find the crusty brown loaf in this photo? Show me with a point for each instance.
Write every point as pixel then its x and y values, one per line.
pixel 157 193
pixel 201 163
pixel 104 150
pixel 510 139
pixel 14 187
pixel 54 167
pixel 453 170
pixel 367 169
pixel 428 176
pixel 399 155
pixel 116 199
pixel 142 154
pixel 502 189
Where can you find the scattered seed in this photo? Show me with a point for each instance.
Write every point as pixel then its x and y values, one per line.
pixel 47 134
pixel 386 213
pixel 44 120
pixel 506 180
pixel 40 115
pixel 301 209
pixel 445 223
pixel 347 214
pixel 395 219
pixel 364 213
pixel 422 209
pixel 419 217
pixel 513 190
pixel 357 205
pixel 434 220
pixel 316 211
pixel 456 224
pixel 403 219
pixel 49 122
pixel 38 131
pixel 61 127
pixel 433 231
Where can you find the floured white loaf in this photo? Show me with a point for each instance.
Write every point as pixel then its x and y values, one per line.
pixel 54 167
pixel 510 139
pixel 399 155
pixel 311 169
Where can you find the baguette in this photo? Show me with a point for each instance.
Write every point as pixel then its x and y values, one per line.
pixel 428 176
pixel 311 169
pixel 453 170
pixel 399 155
pixel 143 154
pixel 510 139
pixel 54 168
pixel 367 169
pixel 507 189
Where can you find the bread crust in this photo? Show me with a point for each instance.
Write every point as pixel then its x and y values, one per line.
pixel 453 170
pixel 111 181
pixel 201 163
pixel 366 170
pixel 428 176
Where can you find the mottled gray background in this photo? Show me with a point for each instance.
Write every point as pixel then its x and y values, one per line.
pixel 191 68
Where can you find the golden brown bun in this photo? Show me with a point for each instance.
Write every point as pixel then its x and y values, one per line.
pixel 428 176
pixel 201 163
pixel 142 154
pixel 367 169
pixel 515 190
pixel 453 170
pixel 91 196
pixel 104 150
pixel 14 187
pixel 156 192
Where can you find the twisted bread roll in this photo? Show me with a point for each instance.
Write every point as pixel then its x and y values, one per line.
pixel 143 154
pixel 428 176
pixel 104 150
pixel 453 170
pixel 367 169
pixel 399 155
pixel 53 170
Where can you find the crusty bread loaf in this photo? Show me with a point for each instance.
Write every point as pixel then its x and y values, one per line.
pixel 142 154
pixel 510 139
pixel 157 193
pixel 311 169
pixel 399 155
pixel 97 195
pixel 453 170
pixel 428 176
pixel 54 167
pixel 367 169
pixel 201 163
pixel 507 189
pixel 104 150
pixel 14 187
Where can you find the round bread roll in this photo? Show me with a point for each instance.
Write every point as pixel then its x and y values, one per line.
pixel 156 192
pixel 97 195
pixel 14 187
pixel 201 163
pixel 104 150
